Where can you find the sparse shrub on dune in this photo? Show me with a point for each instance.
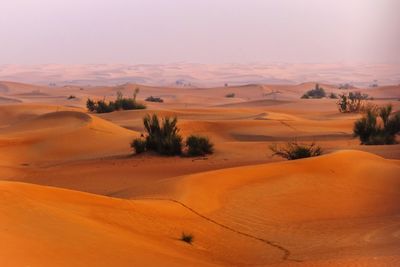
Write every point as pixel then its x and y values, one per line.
pixel 199 146
pixel 102 106
pixel 230 95
pixel 378 126
pixel 162 135
pixel 154 99
pixel 139 145
pixel 295 150
pixel 121 103
pixel 333 96
pixel 316 93
pixel 90 105
pixel 188 238
pixel 352 102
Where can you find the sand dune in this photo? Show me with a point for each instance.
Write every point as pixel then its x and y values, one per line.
pixel 201 75
pixel 61 136
pixel 327 210
pixel 244 207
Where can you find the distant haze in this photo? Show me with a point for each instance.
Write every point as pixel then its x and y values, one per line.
pixel 201 31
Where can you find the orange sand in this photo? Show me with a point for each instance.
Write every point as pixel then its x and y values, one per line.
pixel 72 194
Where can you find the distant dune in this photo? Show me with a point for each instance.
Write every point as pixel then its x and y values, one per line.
pixel 202 75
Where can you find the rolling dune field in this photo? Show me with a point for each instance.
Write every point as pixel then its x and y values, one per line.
pixel 72 192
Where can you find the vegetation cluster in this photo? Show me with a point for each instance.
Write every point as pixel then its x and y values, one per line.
pixel 154 99
pixel 378 126
pixel 121 103
pixel 352 102
pixel 162 137
pixel 294 150
pixel 316 93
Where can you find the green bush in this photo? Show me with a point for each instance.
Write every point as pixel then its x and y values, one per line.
pixel 90 105
pixel 352 102
pixel 154 99
pixel 294 150
pixel 162 136
pixel 199 145
pixel 139 145
pixel 378 126
pixel 333 96
pixel 121 103
pixel 101 106
pixel 317 92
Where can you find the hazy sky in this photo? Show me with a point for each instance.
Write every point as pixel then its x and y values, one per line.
pixel 203 31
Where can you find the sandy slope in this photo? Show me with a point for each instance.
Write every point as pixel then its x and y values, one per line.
pixel 338 209
pixel 60 136
pixel 333 209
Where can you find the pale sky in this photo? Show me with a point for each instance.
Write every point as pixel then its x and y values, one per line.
pixel 199 31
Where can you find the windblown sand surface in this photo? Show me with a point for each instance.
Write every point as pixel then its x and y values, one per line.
pixel 71 193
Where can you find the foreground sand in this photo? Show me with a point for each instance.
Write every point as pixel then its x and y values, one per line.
pixel 72 194
pixel 290 212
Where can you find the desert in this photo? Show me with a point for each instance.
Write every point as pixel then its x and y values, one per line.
pixel 74 193
pixel 183 133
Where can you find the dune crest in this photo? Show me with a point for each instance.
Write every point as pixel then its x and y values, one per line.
pixel 62 136
pixel 316 201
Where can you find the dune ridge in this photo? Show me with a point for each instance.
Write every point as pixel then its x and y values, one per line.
pixel 62 135
pixel 217 211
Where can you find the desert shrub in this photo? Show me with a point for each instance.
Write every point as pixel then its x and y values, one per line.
pixel 333 96
pixel 352 102
pixel 154 99
pixel 128 104
pixel 345 86
pixel 162 135
pixel 378 126
pixel 90 105
pixel 71 97
pixel 199 145
pixel 305 96
pixel 139 145
pixel 295 150
pixel 230 95
pixel 317 92
pixel 121 103
pixel 188 238
pixel 102 106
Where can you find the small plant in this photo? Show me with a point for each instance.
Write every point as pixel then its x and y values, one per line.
pixel 139 145
pixel 345 86
pixel 294 150
pixel 71 97
pixel 188 238
pixel 162 136
pixel 333 96
pixel 352 102
pixel 317 92
pixel 154 99
pixel 230 95
pixel 199 146
pixel 378 126
pixel 121 103
pixel 90 105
